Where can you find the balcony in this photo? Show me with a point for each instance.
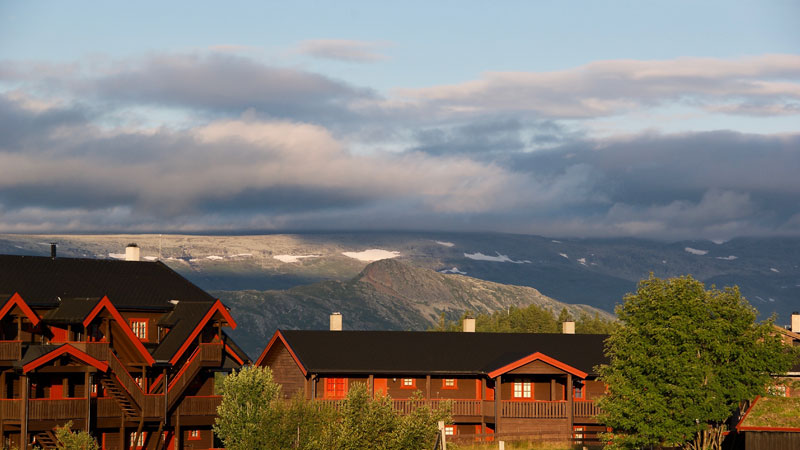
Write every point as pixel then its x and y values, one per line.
pixel 510 409
pixel 10 350
pixel 200 406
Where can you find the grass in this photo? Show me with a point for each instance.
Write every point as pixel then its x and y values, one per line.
pixel 774 412
pixel 518 445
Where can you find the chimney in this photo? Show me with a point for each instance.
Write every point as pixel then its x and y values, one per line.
pixel 469 325
pixel 53 250
pixel 568 328
pixel 796 322
pixel 132 252
pixel 336 321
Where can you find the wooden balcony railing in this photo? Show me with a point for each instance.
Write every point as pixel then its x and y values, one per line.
pixel 199 406
pixel 585 409
pixel 121 373
pixel 458 407
pixel 10 350
pixel 10 408
pixel 541 410
pixel 107 407
pixel 97 350
pixel 153 405
pixel 51 409
pixel 211 353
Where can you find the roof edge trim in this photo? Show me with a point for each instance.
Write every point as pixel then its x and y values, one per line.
pixel 538 356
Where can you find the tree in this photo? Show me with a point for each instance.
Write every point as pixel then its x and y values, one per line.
pixel 247 408
pixel 682 361
pixel 66 439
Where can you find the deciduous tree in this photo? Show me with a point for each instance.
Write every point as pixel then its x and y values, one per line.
pixel 682 361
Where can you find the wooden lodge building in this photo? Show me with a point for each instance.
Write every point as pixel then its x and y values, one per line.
pixel 504 385
pixel 125 349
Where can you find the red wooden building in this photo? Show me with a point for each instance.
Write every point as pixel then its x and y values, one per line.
pixel 128 350
pixel 504 385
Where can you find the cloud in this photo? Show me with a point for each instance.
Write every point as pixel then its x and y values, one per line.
pixel 616 86
pixel 342 50
pixel 215 82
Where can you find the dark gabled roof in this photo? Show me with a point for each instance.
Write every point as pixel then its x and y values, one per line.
pixel 421 352
pixel 41 281
pixel 182 321
pixel 70 311
pixel 235 347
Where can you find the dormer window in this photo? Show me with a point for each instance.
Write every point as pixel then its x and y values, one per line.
pixel 139 327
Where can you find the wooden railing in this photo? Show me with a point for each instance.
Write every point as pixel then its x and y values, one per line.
pixel 153 405
pixel 125 379
pixel 541 410
pixel 52 409
pixel 199 406
pixel 10 408
pixel 107 407
pixel 585 409
pixel 10 350
pixel 185 375
pixel 97 350
pixel 211 353
pixel 457 407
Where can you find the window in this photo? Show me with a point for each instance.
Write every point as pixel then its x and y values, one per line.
pixel 449 430
pixel 138 381
pixel 335 387
pixel 137 443
pixel 577 433
pixel 408 383
pixel 139 327
pixel 522 389
pixel 194 435
pixel 578 392
pixel 778 390
pixel 449 383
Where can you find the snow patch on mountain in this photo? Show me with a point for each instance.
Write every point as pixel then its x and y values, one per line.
pixel 373 254
pixel 453 270
pixel 293 258
pixel 499 258
pixel 446 244
pixel 695 251
pixel 727 258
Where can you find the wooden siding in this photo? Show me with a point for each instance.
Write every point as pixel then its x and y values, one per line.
pixel 771 440
pixel 285 370
pixel 466 388
pixel 536 368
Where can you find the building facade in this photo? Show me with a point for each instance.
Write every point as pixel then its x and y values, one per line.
pixel 128 350
pixel 507 385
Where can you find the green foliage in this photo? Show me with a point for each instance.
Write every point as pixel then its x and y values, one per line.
pixel 247 408
pixel 373 423
pixel 254 416
pixel 682 360
pixel 66 439
pixel 531 319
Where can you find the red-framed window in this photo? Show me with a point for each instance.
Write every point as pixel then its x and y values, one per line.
pixel 579 392
pixel 194 435
pixel 139 328
pixel 522 389
pixel 137 444
pixel 449 383
pixel 335 387
pixel 408 383
pixel 449 430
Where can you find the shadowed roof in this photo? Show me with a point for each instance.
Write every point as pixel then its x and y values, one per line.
pixel 421 352
pixel 41 281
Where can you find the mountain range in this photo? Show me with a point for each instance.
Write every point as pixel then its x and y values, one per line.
pixel 594 272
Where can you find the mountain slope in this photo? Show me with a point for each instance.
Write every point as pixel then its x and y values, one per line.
pixel 387 294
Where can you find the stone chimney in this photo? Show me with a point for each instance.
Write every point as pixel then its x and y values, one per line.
pixel 469 325
pixel 568 328
pixel 796 322
pixel 132 252
pixel 336 321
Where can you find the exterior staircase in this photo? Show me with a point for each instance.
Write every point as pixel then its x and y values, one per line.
pixel 46 440
pixel 128 407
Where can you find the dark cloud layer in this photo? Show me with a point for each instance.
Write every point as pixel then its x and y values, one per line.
pixel 283 148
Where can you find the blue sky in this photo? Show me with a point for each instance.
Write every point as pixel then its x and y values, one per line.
pixel 655 119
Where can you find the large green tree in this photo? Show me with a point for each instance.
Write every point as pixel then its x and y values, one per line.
pixel 682 361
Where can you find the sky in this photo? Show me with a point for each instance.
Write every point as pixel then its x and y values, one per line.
pixel 661 119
